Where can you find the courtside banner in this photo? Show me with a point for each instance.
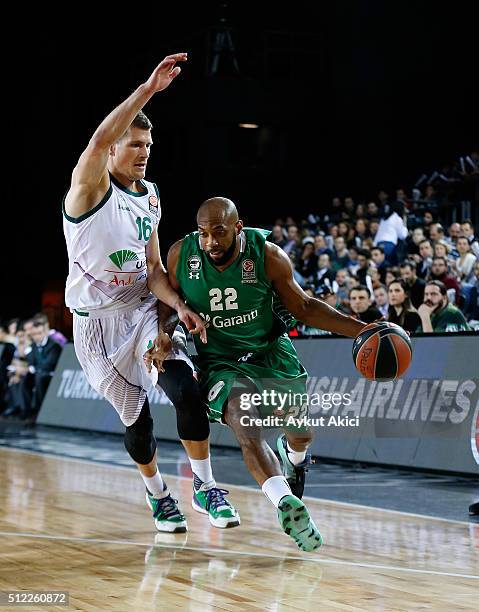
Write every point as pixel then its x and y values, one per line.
pixel 429 418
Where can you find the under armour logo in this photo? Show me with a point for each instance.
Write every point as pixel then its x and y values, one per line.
pixel 195 275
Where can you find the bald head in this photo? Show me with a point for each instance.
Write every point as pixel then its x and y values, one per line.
pixel 218 228
pixel 217 210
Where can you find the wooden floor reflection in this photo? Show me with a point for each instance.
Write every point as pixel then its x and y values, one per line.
pixel 84 527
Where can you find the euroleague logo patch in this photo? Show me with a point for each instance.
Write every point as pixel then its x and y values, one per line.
pixel 194 267
pixel 153 204
pixel 248 271
pixel 475 435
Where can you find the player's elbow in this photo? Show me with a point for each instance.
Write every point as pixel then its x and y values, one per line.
pixel 155 271
pixel 99 141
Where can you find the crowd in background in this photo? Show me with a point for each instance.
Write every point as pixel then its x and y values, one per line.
pixel 29 352
pixel 392 258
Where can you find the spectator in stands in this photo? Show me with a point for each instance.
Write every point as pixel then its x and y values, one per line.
pixel 381 299
pixel 379 260
pixel 336 209
pixel 443 249
pixel 361 229
pixel 353 253
pixel 293 242
pixel 349 206
pixel 327 294
pixel 12 326
pixel 468 231
pixel 7 351
pixel 324 274
pixel 430 197
pixel 307 263
pixel 374 278
pixel 392 228
pixel 360 305
pixel 340 255
pixel 437 314
pixel 414 241
pixel 27 326
pixel 23 343
pixel 373 210
pixel 333 232
pixel 18 397
pixel 277 236
pixel 425 262
pixel 427 220
pixel 343 230
pixel 392 274
pixel 465 262
pixel 436 232
pixel 373 228
pixel 360 211
pixel 401 310
pixel 416 285
pixel 401 196
pixel 42 360
pixel 364 259
pixel 473 306
pixel 454 233
pixel 320 246
pixel 342 287
pixel 383 198
pixel 439 272
pixel 54 334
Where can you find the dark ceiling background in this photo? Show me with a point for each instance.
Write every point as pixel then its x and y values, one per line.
pixel 350 97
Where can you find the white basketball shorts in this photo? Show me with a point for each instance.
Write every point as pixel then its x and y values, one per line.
pixel 110 346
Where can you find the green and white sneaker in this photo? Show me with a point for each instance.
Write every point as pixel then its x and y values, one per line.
pixel 210 500
pixel 294 474
pixel 166 513
pixel 296 522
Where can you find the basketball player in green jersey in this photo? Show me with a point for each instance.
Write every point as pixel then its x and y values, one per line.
pixel 230 275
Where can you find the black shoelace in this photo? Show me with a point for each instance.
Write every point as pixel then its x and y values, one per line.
pixel 215 498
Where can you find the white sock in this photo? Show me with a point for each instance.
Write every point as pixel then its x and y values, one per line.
pixel 295 457
pixel 202 469
pixel 275 488
pixel 155 485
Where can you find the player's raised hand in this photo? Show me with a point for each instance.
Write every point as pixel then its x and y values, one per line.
pixel 194 323
pixel 165 72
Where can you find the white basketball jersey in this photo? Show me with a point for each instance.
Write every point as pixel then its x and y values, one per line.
pixel 106 249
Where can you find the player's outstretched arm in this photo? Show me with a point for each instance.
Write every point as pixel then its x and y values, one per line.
pixel 309 310
pixel 90 179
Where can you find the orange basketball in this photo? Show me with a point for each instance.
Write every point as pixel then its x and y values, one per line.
pixel 382 351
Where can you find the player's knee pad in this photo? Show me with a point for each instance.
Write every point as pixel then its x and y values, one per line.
pixel 184 393
pixel 191 413
pixel 139 439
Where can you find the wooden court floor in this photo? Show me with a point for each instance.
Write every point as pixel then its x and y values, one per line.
pixel 84 527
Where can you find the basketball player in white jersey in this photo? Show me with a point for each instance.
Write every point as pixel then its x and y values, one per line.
pixel 116 279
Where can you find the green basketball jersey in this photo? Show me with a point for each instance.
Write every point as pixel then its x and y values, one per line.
pixel 238 304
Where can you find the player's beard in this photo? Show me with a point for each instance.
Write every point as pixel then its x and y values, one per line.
pixel 226 255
